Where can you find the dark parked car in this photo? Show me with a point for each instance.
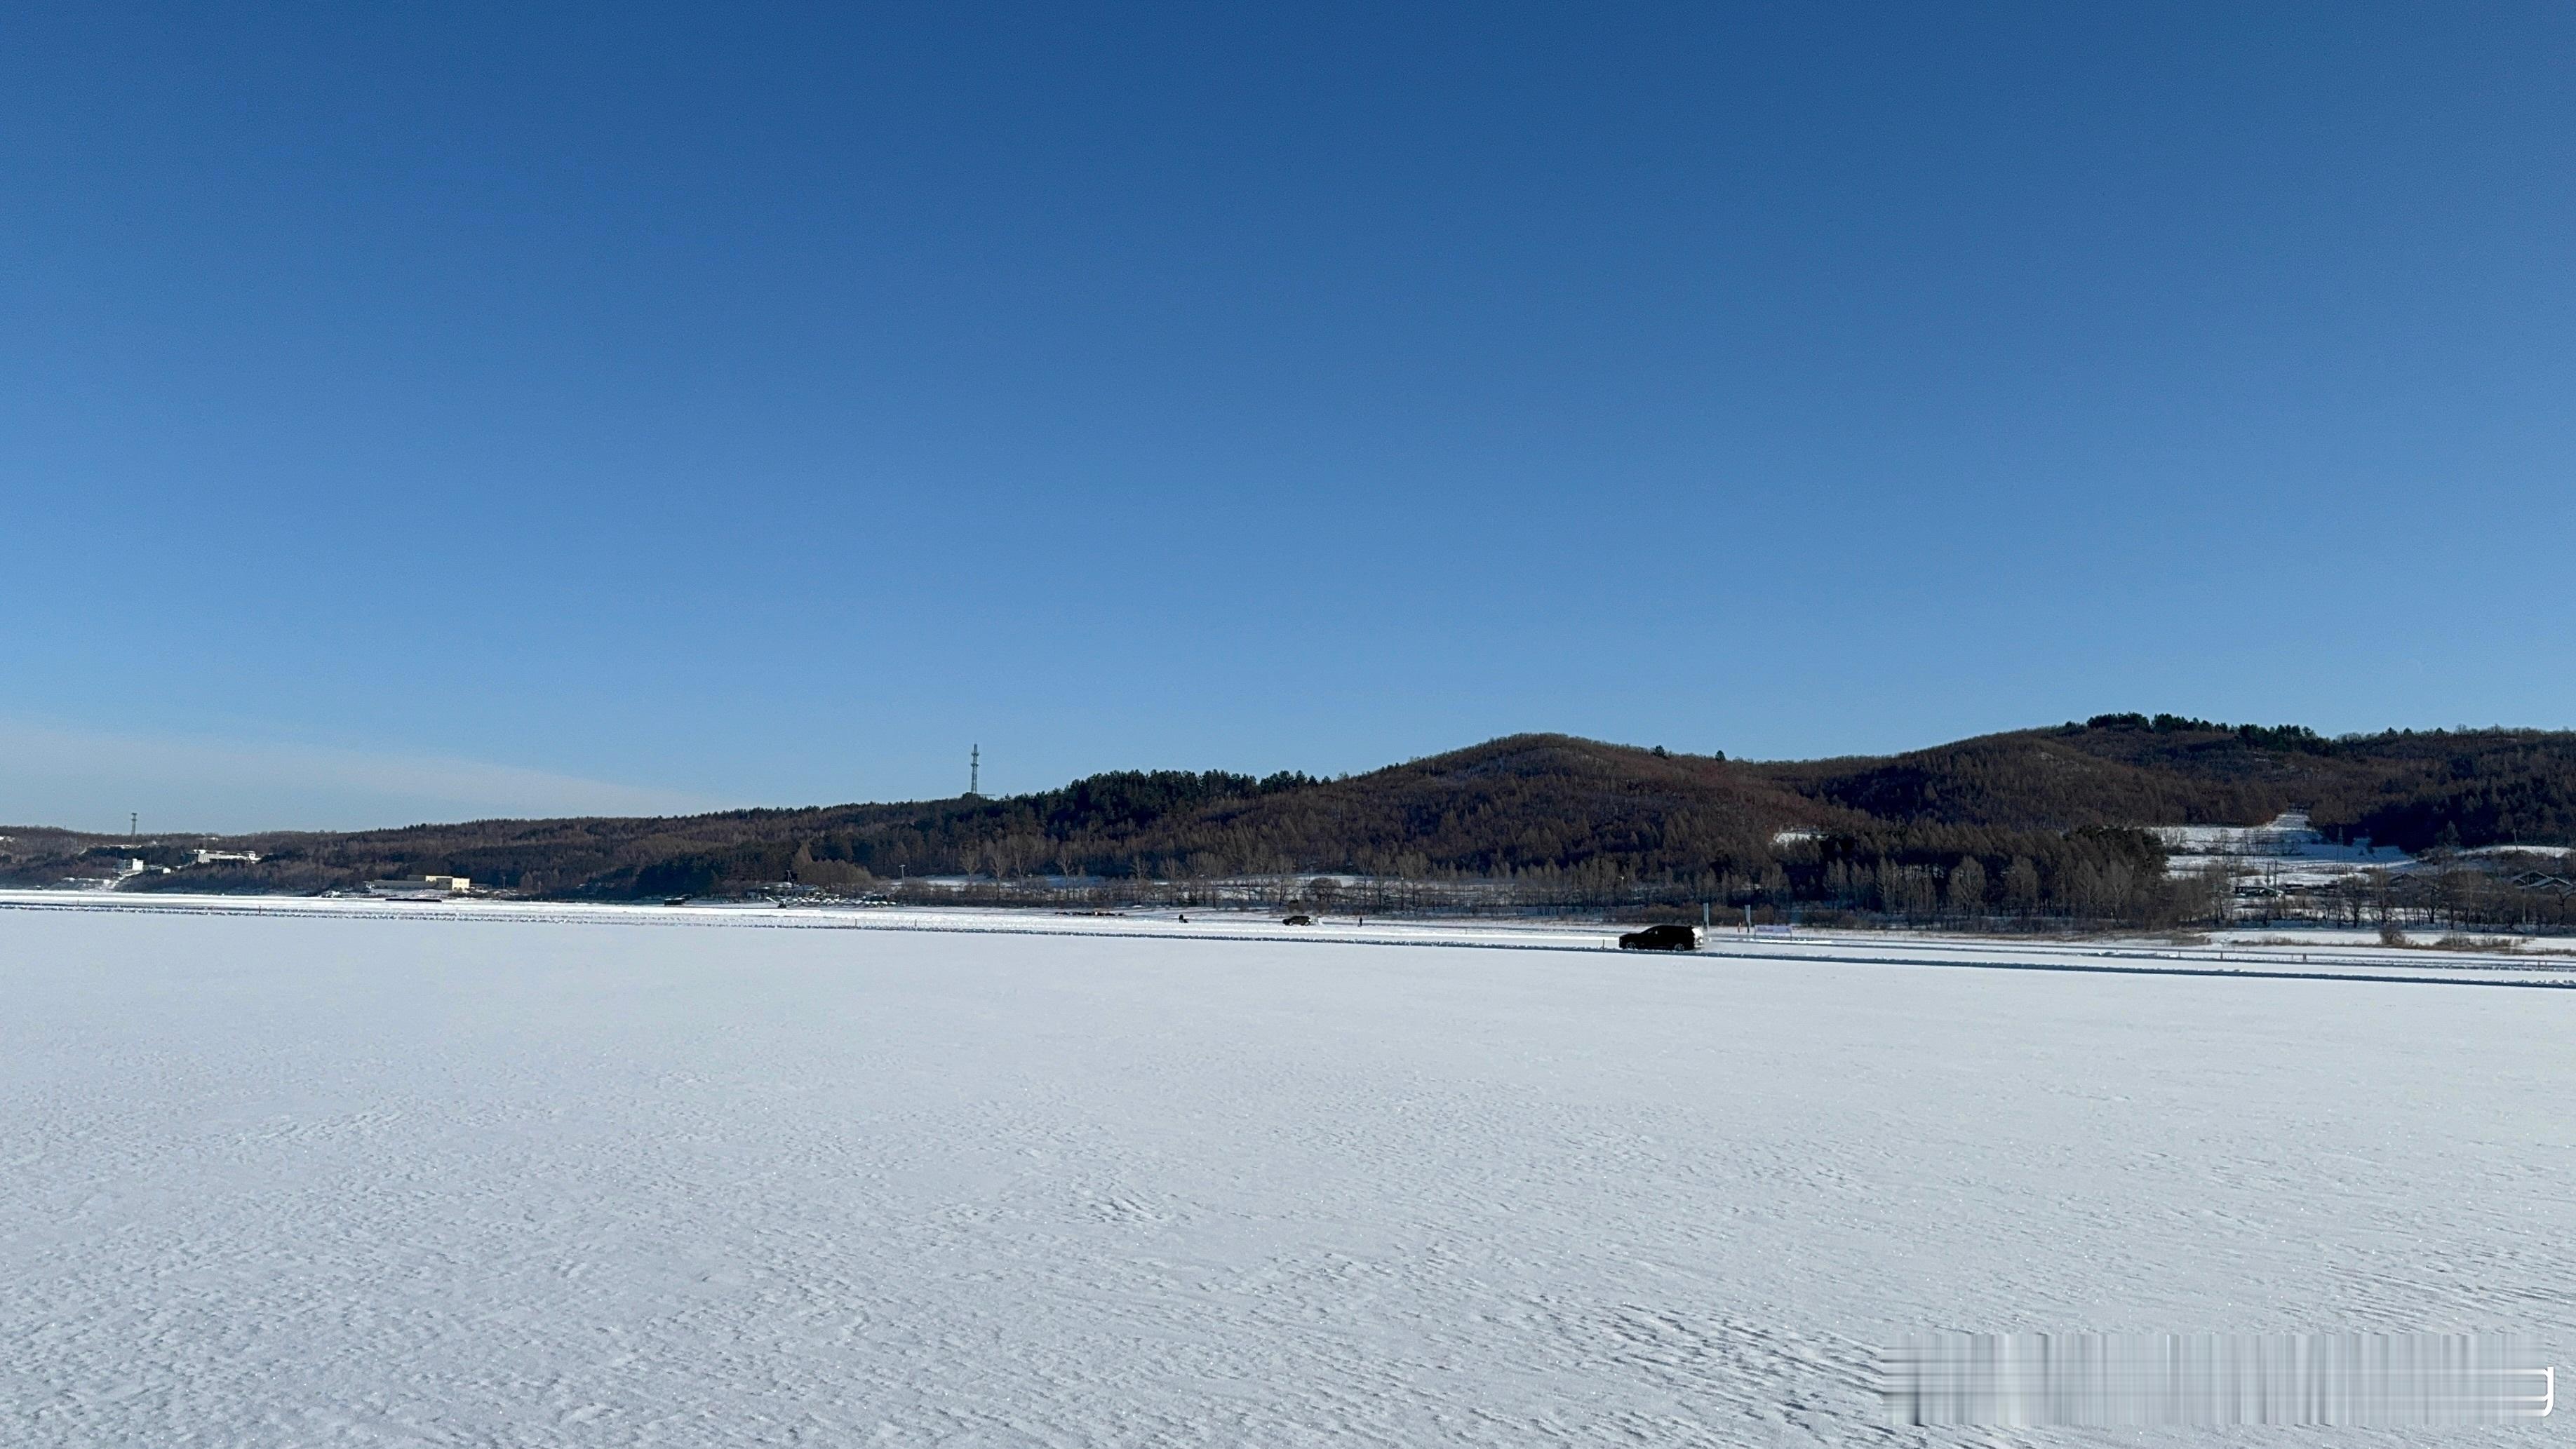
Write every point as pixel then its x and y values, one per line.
pixel 1661 938
pixel 1298 921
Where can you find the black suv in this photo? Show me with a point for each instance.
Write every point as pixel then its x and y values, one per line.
pixel 1661 938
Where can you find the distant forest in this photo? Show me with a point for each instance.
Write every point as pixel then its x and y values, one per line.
pixel 2045 825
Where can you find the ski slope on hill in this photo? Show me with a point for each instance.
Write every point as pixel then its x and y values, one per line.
pixel 344 1178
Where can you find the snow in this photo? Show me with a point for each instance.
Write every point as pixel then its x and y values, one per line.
pixel 2508 852
pixel 2285 852
pixel 368 1174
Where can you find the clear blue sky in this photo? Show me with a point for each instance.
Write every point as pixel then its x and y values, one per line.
pixel 420 411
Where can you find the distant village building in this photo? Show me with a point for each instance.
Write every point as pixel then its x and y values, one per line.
pixel 226 857
pixel 424 888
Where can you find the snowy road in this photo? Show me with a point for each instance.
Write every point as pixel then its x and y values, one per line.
pixel 274 1179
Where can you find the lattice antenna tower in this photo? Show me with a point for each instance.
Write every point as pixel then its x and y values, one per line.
pixel 974 771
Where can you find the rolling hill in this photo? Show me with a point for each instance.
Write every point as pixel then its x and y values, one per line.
pixel 1564 818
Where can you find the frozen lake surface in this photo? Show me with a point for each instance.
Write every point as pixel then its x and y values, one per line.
pixel 278 1179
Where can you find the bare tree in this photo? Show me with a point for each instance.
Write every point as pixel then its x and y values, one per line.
pixel 1968 889
pixel 2021 886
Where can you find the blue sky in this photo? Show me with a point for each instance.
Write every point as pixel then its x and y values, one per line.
pixel 412 412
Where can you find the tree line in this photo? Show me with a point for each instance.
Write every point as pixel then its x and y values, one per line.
pixel 2038 826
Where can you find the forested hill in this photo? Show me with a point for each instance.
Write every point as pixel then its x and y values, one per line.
pixel 1545 811
pixel 2406 788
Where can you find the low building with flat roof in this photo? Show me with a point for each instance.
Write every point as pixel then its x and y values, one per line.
pixel 422 888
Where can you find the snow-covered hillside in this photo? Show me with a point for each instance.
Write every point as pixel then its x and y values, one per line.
pixel 405 1177
pixel 2286 851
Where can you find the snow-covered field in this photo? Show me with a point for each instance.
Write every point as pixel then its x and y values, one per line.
pixel 378 1176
